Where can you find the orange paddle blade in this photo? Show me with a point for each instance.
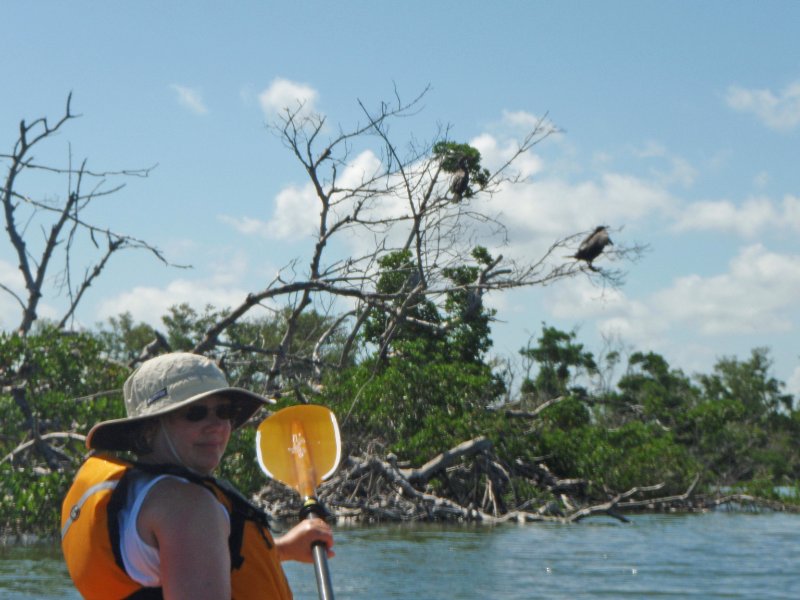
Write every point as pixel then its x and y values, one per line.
pixel 299 446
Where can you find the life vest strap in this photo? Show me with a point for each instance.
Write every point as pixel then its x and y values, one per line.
pixel 147 593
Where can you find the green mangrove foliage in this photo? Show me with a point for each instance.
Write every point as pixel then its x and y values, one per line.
pixel 54 385
pixel 421 392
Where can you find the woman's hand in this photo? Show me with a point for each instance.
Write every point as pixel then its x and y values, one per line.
pixel 296 543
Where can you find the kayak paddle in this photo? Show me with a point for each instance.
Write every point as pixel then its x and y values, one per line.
pixel 300 447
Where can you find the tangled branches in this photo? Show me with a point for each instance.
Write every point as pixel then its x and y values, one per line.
pixel 469 484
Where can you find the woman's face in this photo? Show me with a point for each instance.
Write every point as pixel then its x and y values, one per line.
pixel 199 434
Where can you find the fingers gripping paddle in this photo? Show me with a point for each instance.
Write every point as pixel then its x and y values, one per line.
pixel 300 447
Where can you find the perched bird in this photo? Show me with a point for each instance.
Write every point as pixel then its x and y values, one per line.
pixel 413 280
pixel 593 246
pixel 474 303
pixel 460 182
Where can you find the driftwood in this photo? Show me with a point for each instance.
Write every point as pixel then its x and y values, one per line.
pixel 467 483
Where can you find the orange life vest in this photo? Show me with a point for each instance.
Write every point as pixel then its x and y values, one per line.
pixel 90 535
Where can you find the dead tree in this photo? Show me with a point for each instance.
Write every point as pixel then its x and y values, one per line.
pixel 396 197
pixel 46 234
pixel 61 222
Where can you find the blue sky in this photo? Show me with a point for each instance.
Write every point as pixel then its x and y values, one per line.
pixel 681 129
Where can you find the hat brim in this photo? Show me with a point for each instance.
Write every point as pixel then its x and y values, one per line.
pixel 115 433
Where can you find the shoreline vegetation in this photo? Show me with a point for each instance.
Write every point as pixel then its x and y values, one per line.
pixel 369 490
pixel 658 442
pixel 395 339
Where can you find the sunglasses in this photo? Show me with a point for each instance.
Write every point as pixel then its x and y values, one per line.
pixel 199 412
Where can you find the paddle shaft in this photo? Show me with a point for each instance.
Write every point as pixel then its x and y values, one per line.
pixel 312 509
pixel 324 586
pixel 306 480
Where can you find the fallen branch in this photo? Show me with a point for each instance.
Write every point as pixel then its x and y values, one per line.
pixel 652 502
pixel 445 459
pixel 608 507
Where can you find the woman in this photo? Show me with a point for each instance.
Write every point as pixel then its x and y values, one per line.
pixel 163 526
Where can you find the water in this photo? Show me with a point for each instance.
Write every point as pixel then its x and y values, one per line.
pixel 714 556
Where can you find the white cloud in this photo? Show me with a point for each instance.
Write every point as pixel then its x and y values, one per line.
pixel 494 155
pixel 521 118
pixel 780 112
pixel 614 313
pixel 297 208
pixel 296 213
pixel 746 220
pixel 751 218
pixel 791 212
pixel 283 93
pixel 10 309
pixel 149 304
pixel 539 212
pixel 526 122
pixel 245 225
pixel 11 277
pixel 681 172
pixel 548 206
pixel 362 168
pixel 225 271
pixel 757 295
pixel 190 98
pixel 228 268
pixel 692 319
pixel 579 299
pixel 10 312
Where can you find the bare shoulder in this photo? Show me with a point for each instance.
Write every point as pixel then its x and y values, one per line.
pixel 190 529
pixel 172 488
pixel 180 506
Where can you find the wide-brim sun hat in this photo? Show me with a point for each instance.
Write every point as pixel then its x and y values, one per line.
pixel 164 384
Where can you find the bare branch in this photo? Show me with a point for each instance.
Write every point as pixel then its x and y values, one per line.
pixel 61 222
pixel 48 436
pixel 398 203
